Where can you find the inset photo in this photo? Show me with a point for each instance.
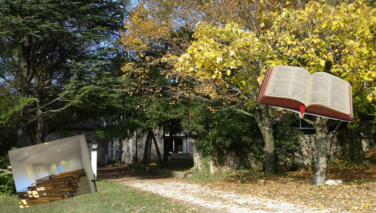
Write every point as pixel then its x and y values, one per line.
pixel 52 171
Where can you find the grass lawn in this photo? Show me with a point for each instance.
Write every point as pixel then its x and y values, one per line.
pixel 111 197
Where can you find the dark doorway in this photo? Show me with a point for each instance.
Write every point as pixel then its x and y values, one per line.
pixel 177 145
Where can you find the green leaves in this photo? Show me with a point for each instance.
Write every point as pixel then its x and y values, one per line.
pixel 10 107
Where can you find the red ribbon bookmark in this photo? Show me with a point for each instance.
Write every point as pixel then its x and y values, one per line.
pixel 302 109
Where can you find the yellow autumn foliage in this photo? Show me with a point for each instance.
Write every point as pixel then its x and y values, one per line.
pixel 228 62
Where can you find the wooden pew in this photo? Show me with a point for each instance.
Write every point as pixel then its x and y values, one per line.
pixel 75 178
pixel 68 180
pixel 42 179
pixel 75 173
pixel 24 203
pixel 66 188
pixel 24 195
pixel 65 184
pixel 32 198
pixel 56 194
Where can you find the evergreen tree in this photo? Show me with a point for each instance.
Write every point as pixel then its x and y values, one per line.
pixel 53 40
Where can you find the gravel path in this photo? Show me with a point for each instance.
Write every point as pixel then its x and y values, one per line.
pixel 206 199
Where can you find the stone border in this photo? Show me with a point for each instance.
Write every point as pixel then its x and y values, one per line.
pixel 156 171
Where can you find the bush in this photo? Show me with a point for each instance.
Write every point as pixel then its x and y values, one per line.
pixel 7 185
pixel 4 162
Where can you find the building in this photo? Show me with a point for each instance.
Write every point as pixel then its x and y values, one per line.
pixel 131 149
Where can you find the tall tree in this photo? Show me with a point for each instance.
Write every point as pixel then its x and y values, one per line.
pixel 154 23
pixel 151 33
pixel 228 63
pixel 334 38
pixel 54 39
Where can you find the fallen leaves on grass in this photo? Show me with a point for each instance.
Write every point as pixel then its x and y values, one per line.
pixel 356 194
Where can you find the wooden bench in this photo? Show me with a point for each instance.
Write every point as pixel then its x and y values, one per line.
pixel 51 193
pixel 76 173
pixel 61 180
pixel 24 195
pixel 42 179
pixel 66 188
pixel 71 184
pixel 35 197
pixel 24 203
pixel 75 177
pixel 68 183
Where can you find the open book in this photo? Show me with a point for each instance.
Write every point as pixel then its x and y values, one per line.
pixel 295 89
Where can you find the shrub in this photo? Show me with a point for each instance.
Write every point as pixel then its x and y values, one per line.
pixel 7 185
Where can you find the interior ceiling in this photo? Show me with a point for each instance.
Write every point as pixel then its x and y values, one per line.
pixel 48 152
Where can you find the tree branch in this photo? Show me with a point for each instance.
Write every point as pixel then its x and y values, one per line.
pixel 335 129
pixel 47 103
pixel 308 121
pixel 244 112
pixel 46 113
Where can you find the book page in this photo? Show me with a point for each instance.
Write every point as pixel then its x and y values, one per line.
pixel 330 91
pixel 289 82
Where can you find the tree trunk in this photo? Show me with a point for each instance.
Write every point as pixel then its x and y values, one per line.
pixel 157 148
pixel 356 147
pixel 146 149
pixel 40 124
pixel 166 146
pixel 22 131
pixel 22 134
pixel 121 151
pixel 264 123
pixel 136 152
pixel 150 144
pixel 197 156
pixel 322 141
pixel 26 76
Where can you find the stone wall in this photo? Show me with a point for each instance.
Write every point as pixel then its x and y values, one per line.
pixel 138 147
pixel 299 160
pixel 306 156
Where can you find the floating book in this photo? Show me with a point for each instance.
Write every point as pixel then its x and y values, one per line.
pixel 295 89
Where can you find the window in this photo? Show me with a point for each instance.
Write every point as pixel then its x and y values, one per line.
pixel 59 169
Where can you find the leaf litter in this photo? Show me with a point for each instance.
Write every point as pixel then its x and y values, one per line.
pixel 250 191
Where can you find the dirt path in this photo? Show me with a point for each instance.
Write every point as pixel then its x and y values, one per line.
pixel 204 198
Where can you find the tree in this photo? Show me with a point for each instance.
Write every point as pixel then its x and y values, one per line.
pixel 53 39
pixel 249 15
pixel 225 65
pixel 226 133
pixel 338 39
pixel 151 33
pixel 153 23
